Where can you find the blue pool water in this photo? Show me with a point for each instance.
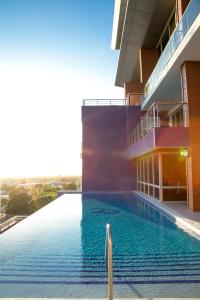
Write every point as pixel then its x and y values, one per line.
pixel 59 251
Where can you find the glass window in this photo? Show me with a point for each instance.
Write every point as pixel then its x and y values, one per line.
pixel 143 171
pixel 165 39
pixel 174 170
pixel 177 118
pixel 156 170
pixel 138 170
pixel 172 24
pixel 174 194
pixel 150 170
pixel 159 48
pixel 151 191
pixel 146 170
pixel 142 187
pixel 156 191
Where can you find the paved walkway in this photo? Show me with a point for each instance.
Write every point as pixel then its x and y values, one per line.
pixel 189 216
pixel 180 212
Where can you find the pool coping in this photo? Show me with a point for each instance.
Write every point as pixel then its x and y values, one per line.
pixel 114 298
pixel 174 215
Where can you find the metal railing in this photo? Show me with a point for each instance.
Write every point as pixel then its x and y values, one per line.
pixel 108 259
pixel 10 222
pixel 176 38
pixel 160 114
pixel 104 102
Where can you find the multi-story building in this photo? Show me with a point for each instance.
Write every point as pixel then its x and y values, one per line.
pixel 151 143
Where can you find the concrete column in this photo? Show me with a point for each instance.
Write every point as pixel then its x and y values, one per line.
pixel 181 5
pixel 190 72
pixel 148 60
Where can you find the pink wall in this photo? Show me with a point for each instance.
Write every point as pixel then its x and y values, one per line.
pixel 105 136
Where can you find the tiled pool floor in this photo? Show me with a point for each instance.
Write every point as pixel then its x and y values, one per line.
pixel 49 257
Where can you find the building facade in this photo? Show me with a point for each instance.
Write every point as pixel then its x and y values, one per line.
pixel 159 68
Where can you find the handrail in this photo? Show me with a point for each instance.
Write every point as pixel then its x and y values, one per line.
pixel 108 258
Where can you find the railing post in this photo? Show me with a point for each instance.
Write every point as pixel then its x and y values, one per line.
pixel 108 256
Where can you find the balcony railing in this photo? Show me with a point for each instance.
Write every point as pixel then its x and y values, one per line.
pixel 104 102
pixel 183 27
pixel 160 115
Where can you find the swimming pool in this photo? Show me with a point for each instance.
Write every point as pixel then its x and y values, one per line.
pixel 59 251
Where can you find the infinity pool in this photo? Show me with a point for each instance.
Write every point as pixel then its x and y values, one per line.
pixel 59 251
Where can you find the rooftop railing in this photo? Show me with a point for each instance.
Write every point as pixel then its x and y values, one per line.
pixel 104 102
pixel 183 27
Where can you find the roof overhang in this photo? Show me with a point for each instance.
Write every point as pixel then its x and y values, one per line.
pixel 118 22
pixel 137 24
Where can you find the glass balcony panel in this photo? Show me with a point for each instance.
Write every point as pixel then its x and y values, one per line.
pixel 186 22
pixel 167 53
pixel 192 12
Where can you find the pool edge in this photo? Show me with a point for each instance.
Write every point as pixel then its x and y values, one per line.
pixel 175 216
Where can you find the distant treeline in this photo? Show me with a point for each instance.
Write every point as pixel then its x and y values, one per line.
pixel 25 198
pixel 43 180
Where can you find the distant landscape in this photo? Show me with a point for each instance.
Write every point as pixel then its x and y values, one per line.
pixel 24 196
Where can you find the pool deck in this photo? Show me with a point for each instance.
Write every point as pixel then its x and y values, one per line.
pixel 179 211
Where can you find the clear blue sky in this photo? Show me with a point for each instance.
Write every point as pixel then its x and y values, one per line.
pixel 53 53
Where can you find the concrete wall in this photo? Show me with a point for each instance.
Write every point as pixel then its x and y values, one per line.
pixel 105 136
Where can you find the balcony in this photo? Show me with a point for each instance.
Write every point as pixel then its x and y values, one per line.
pixel 183 45
pixel 164 125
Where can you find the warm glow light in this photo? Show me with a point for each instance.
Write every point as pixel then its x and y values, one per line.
pixel 184 153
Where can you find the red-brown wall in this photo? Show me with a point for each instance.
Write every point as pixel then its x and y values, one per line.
pixel 191 94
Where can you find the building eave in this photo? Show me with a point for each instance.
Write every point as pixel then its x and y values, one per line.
pixel 118 23
pixel 143 23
